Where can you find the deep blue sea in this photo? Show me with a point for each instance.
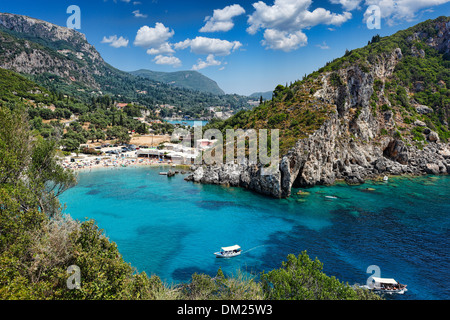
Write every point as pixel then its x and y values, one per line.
pixel 171 228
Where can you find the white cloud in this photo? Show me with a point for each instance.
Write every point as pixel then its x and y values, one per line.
pixel 153 37
pixel 391 10
pixel 222 19
pixel 323 46
pixel 115 42
pixel 282 40
pixel 399 10
pixel 291 15
pixel 165 48
pixel 167 60
pixel 348 4
pixel 286 19
pixel 138 14
pixel 155 40
pixel 203 45
pixel 210 61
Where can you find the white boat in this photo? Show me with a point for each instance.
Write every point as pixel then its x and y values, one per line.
pixel 330 197
pixel 387 285
pixel 228 252
pixel 163 173
pixel 385 178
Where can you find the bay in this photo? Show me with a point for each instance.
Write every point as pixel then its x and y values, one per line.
pixel 171 228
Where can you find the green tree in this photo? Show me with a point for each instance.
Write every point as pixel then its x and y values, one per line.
pixel 301 278
pixel 100 135
pixel 142 129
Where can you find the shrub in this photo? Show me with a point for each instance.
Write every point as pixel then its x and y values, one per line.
pixel 417 134
pixel 274 120
pixel 301 278
pixel 385 107
pixel 335 80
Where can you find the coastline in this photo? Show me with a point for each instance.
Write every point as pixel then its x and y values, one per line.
pixel 87 165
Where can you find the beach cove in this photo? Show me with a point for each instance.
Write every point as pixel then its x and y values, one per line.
pixel 171 228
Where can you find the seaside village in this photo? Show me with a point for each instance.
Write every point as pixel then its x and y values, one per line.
pixel 148 149
pixel 116 156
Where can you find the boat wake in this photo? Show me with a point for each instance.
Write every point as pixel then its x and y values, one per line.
pixel 251 249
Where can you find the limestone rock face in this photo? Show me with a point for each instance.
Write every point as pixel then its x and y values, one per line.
pixel 73 58
pixel 433 137
pixel 423 109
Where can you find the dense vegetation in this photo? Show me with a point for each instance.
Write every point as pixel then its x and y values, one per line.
pixel 293 110
pixel 71 121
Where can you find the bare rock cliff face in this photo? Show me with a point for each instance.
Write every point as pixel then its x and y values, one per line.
pixel 70 56
pixel 348 146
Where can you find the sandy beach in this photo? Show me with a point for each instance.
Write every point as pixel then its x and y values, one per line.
pixel 90 163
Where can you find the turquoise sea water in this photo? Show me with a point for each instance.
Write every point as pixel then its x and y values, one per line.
pixel 171 228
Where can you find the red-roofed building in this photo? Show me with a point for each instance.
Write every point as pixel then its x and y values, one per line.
pixel 121 105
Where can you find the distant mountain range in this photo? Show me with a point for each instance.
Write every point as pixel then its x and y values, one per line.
pixel 184 79
pixel 60 59
pixel 266 95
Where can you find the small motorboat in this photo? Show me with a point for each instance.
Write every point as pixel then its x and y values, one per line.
pixel 228 252
pixel 386 178
pixel 163 173
pixel 330 197
pixel 386 285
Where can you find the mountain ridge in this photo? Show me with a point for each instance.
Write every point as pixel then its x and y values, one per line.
pixel 62 60
pixel 192 80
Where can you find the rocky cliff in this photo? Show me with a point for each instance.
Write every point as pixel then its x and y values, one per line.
pixel 369 132
pixel 33 46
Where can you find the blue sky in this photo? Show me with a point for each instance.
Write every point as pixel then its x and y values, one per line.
pixel 245 46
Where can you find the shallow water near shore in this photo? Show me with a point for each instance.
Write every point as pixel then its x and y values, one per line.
pixel 171 228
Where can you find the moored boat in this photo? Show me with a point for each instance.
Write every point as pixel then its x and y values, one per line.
pixel 228 252
pixel 387 285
